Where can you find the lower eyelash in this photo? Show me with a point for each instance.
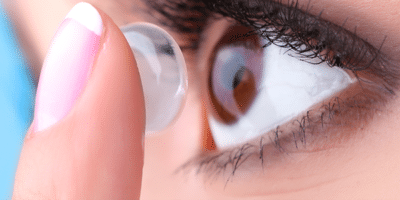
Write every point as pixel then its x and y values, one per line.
pixel 319 129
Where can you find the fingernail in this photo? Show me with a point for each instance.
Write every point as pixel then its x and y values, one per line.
pixel 67 65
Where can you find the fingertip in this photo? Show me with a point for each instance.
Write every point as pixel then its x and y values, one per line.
pixel 98 143
pixel 112 106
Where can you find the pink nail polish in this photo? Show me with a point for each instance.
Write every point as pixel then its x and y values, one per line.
pixel 67 65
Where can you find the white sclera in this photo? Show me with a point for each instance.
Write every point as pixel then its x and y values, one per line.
pixel 288 87
pixel 162 71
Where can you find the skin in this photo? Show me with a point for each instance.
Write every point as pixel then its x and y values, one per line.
pixel 365 167
pixel 85 156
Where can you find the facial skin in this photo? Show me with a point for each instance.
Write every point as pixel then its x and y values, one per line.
pixel 364 167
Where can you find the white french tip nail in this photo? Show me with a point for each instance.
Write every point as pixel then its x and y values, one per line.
pixel 88 16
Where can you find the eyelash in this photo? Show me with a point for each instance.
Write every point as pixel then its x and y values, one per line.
pixel 313 38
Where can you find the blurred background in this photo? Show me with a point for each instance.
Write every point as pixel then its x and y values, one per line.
pixel 17 88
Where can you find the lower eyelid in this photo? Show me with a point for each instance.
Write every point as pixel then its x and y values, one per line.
pixel 331 124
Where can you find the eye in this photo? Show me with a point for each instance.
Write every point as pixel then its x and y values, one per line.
pixel 253 89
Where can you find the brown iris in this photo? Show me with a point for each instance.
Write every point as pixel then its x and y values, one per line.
pixel 244 92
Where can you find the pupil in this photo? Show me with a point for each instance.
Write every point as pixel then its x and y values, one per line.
pixel 244 90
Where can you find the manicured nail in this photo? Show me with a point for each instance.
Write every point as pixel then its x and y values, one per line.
pixel 67 65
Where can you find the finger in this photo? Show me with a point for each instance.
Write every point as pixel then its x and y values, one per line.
pixel 88 144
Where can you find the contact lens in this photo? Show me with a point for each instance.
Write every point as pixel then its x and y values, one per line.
pixel 162 71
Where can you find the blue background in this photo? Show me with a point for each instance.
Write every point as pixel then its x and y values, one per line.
pixel 16 104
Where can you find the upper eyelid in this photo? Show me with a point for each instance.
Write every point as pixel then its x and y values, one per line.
pixel 179 15
pixel 369 18
pixel 297 25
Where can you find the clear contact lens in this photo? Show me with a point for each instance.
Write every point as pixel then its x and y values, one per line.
pixel 162 71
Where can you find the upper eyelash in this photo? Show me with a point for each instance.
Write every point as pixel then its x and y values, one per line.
pixel 311 37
